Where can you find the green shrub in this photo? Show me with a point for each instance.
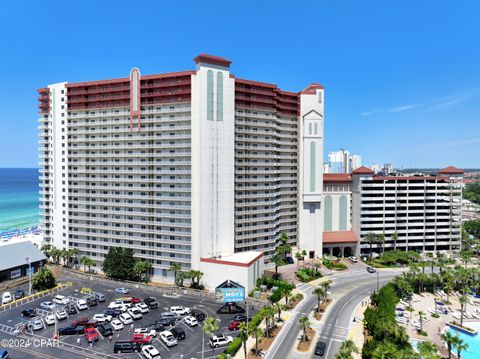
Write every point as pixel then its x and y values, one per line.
pixel 308 274
pixel 233 347
pixel 327 263
pixel 339 266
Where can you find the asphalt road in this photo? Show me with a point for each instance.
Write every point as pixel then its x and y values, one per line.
pixel 354 287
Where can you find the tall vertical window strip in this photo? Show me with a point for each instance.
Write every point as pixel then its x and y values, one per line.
pixel 316 129
pixel 310 128
pixel 342 213
pixel 135 90
pixel 327 223
pixel 313 169
pixel 210 95
pixel 219 96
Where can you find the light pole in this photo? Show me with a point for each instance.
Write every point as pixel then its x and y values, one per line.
pixel 377 281
pixel 27 259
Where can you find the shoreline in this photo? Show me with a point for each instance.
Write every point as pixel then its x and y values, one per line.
pixel 32 234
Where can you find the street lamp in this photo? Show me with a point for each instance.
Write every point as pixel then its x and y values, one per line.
pixel 27 259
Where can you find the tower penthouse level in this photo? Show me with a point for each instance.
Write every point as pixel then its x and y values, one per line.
pixel 186 167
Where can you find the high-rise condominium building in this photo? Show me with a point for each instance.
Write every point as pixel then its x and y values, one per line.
pixel 342 162
pixel 180 166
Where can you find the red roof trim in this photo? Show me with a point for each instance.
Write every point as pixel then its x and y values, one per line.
pixel 255 83
pixel 339 237
pixel 211 59
pixel 337 177
pixel 363 170
pixel 312 89
pixel 230 263
pixel 394 178
pixel 451 170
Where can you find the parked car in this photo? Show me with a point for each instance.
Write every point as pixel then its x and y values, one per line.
pixel 67 331
pixel 191 321
pixel 166 322
pixel 19 294
pixel 91 301
pixel 82 304
pixel 141 339
pixel 120 305
pixel 84 322
pixel 240 318
pixel 156 326
pixel 71 309
pixel 36 324
pixel 146 331
pixel 47 305
pixel 61 314
pixel 149 299
pixel 143 307
pixel 125 318
pixel 198 315
pixel 234 325
pixel 290 260
pixel 101 318
pixel 122 290
pixel 7 298
pixel 114 313
pixel 116 324
pixel 153 305
pixel 135 313
pixel 178 333
pixel 100 296
pixel 126 347
pixel 180 310
pixel 150 352
pixel 170 315
pixel 320 348
pixel 91 334
pixel 353 259
pixel 220 341
pixel 50 319
pixel 135 300
pixel 29 313
pixel 371 270
pixel 61 299
pixel 168 339
pixel 105 329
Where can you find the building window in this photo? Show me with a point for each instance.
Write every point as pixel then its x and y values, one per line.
pixel 316 129
pixel 219 96
pixel 328 214
pixel 210 95
pixel 310 128
pixel 313 169
pixel 342 209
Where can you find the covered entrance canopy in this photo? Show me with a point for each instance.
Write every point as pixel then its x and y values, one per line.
pixel 340 243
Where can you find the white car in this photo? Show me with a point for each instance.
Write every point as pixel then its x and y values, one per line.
pixel 50 319
pixel 122 290
pixel 7 298
pixel 119 304
pixel 47 305
pixel 61 299
pixel 116 324
pixel 353 259
pixel 143 307
pixel 135 313
pixel 125 318
pixel 191 321
pixel 37 324
pixel 150 352
pixel 82 304
pixel 168 339
pixel 61 314
pixel 148 332
pixel 101 318
pixel 220 341
pixel 180 310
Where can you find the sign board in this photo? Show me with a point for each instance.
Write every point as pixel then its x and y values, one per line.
pixel 28 270
pixel 15 273
pixel 229 295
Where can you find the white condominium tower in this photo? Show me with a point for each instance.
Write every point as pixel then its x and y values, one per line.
pixel 180 166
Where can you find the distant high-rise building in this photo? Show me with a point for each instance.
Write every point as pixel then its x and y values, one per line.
pixel 376 168
pixel 326 168
pixel 387 168
pixel 355 162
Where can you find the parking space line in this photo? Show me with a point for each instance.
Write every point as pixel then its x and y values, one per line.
pixel 162 344
pixel 187 326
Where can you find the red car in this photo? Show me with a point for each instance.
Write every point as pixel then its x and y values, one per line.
pixel 234 325
pixel 141 339
pixel 91 334
pixel 136 300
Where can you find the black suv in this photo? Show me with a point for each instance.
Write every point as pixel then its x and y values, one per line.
pixel 320 348
pixel 29 313
pixel 156 326
pixel 113 312
pixel 126 347
pixel 166 322
pixel 71 309
pixel 105 329
pixel 68 331
pixel 198 315
pixel 178 333
pixel 91 301
pixel 153 305
pixel 19 294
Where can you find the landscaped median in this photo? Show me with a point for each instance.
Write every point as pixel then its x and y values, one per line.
pixel 462 328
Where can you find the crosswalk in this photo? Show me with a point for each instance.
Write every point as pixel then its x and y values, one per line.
pixel 7 329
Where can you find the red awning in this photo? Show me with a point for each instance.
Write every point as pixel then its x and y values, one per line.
pixel 339 237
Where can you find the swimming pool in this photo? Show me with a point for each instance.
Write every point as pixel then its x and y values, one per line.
pixel 472 341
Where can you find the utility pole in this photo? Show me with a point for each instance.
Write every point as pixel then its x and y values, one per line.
pixel 27 259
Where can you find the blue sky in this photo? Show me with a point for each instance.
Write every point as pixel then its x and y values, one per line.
pixel 402 78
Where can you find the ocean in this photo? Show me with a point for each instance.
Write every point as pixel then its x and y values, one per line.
pixel 18 198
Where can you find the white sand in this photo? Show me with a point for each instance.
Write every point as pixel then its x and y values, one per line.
pixel 36 239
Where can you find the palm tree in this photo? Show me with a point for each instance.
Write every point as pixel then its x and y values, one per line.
pixel 298 257
pixel 142 269
pixel 395 239
pixel 346 349
pixel 370 238
pixel 87 262
pixel 243 334
pixel 450 340
pixel 466 256
pixel 288 295
pixel 269 318
pixel 175 267
pixel 279 307
pixel 460 345
pixel 75 252
pixel 421 317
pixel 257 333
pixel 304 323
pixel 381 241
pixel 278 261
pixel 284 247
pixel 463 306
pixel 321 293
pixel 45 248
pixel 209 327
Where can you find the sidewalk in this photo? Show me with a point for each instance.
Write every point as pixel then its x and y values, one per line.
pixel 356 333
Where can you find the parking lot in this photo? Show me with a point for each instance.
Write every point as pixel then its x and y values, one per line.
pixel 68 347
